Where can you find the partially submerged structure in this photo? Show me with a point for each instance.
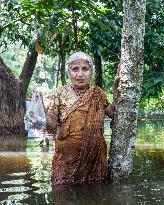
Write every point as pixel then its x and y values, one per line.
pixel 12 104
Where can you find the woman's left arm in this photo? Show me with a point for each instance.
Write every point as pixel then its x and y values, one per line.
pixel 109 111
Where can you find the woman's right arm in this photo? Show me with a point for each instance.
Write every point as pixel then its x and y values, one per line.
pixel 51 120
pixel 51 112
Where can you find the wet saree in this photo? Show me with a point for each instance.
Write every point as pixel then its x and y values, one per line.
pixel 80 148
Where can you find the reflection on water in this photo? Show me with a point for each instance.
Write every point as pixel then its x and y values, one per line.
pixel 25 170
pixel 107 194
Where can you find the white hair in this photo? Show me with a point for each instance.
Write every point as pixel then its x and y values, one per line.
pixel 77 56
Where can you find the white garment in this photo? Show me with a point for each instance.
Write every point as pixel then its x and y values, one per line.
pixel 35 115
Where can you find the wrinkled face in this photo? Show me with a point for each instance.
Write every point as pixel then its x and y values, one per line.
pixel 80 73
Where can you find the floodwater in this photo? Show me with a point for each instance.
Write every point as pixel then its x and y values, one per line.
pixel 25 171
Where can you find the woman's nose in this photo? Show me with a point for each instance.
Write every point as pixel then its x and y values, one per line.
pixel 80 73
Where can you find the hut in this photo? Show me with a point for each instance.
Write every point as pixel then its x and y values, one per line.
pixel 13 142
pixel 12 104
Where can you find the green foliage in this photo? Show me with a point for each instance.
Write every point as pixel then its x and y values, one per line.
pixel 153 83
pixel 153 103
pixel 31 87
pixel 154 50
pixel 16 23
pixel 99 29
pixel 14 58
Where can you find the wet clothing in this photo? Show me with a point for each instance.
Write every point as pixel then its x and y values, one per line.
pixel 80 148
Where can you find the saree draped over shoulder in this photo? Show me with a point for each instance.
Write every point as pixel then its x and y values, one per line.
pixel 80 148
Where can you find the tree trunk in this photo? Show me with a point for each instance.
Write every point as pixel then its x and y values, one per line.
pixel 62 60
pixel 62 70
pixel 74 22
pixel 56 76
pixel 28 69
pixel 98 70
pixel 127 94
pixel 12 105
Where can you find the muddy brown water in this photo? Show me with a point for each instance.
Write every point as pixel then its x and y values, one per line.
pixel 25 171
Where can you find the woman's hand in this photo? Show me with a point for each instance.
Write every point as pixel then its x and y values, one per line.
pixel 51 120
pixel 110 110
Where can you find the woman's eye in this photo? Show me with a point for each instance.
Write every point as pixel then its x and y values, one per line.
pixel 85 68
pixel 75 69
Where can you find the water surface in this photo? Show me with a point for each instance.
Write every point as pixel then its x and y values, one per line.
pixel 25 171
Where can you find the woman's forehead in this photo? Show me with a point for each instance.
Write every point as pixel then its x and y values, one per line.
pixel 80 62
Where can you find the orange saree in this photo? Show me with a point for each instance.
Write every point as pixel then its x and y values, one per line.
pixel 80 148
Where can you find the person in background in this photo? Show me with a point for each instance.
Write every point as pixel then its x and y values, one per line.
pixel 77 111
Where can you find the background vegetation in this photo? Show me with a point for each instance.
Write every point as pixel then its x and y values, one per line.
pixel 51 27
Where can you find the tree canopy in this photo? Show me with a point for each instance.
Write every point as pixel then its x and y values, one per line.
pixel 55 26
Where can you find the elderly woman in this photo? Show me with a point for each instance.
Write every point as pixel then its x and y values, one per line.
pixel 78 111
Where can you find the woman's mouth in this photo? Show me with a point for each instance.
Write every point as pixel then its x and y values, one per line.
pixel 80 80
